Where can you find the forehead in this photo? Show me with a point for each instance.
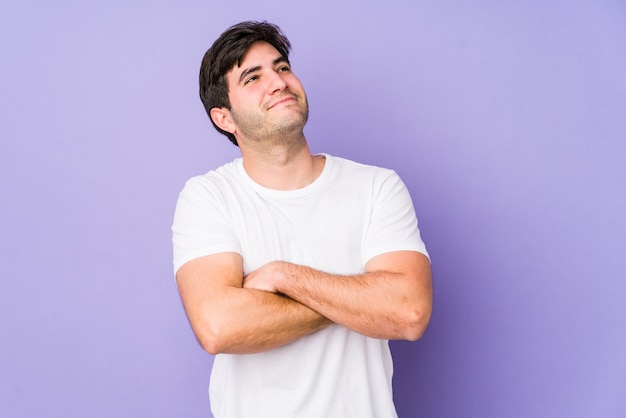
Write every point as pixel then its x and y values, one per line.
pixel 257 51
pixel 259 54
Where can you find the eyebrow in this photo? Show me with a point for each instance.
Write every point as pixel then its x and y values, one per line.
pixel 251 70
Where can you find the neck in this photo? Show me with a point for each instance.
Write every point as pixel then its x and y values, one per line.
pixel 282 167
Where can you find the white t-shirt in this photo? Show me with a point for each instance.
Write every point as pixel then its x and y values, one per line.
pixel 349 214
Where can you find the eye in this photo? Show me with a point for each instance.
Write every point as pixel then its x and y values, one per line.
pixel 251 79
pixel 284 68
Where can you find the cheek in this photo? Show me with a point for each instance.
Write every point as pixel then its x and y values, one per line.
pixel 295 85
pixel 295 81
pixel 237 102
pixel 251 96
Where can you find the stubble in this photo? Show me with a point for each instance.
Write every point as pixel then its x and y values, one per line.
pixel 270 130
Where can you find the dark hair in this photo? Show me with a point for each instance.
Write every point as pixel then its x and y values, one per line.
pixel 226 52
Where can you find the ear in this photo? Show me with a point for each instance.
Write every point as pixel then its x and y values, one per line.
pixel 221 117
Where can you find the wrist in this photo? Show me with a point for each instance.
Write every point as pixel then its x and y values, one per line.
pixel 285 276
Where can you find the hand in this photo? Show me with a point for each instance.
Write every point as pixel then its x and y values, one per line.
pixel 266 277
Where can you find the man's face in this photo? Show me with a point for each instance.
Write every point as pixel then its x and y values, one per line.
pixel 267 99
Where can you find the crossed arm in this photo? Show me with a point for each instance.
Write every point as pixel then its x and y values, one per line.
pixel 281 302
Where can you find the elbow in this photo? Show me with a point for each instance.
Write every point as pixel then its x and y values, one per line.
pixel 415 324
pixel 416 314
pixel 414 333
pixel 211 346
pixel 211 339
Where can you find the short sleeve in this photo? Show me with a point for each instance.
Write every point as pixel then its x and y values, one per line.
pixel 393 225
pixel 201 223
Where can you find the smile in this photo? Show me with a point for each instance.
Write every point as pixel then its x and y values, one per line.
pixel 283 100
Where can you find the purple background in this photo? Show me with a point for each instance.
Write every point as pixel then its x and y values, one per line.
pixel 507 121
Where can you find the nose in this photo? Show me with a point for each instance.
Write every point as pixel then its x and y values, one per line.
pixel 277 83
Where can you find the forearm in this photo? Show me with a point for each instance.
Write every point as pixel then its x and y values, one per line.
pixel 227 318
pixel 380 304
pixel 249 321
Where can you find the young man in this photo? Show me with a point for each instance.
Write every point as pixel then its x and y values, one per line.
pixel 294 269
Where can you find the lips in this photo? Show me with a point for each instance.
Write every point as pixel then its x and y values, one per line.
pixel 281 100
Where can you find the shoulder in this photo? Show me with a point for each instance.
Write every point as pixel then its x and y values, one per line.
pixel 213 182
pixel 346 166
pixel 366 175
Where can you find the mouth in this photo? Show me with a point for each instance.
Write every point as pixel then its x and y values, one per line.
pixel 282 100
